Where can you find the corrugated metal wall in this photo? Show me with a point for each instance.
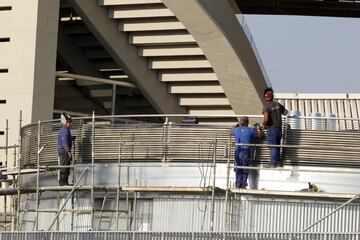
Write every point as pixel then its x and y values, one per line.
pixel 193 213
pixel 294 215
pixel 187 214
pixel 342 105
pixel 175 236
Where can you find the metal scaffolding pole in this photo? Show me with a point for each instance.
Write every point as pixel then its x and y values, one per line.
pixel 6 165
pixel 18 163
pixel 6 142
pixel 36 226
pixel 92 168
pixel 67 199
pixel 332 212
pixel 101 211
pixel 118 187
pixel 227 192
pixel 212 212
pixel 18 188
pixel 113 101
pixel 14 199
pixel 127 199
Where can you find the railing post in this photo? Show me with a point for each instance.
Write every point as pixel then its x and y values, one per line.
pixel 212 212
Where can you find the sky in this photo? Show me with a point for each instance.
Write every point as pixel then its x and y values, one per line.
pixel 309 54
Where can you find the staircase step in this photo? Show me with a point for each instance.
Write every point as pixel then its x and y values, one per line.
pixel 96 53
pixel 186 76
pixel 194 88
pixel 149 38
pixel 86 41
pixel 178 63
pixel 150 25
pixel 211 111
pixel 160 51
pixel 76 28
pixel 203 100
pixel 105 65
pixel 152 11
pixel 126 2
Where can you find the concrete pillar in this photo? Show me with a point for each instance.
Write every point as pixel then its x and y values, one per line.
pixel 30 59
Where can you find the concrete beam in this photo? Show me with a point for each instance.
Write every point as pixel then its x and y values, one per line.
pixel 214 26
pixel 117 45
pixel 97 80
pixel 73 57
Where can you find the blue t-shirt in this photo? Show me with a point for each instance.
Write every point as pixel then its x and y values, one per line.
pixel 244 134
pixel 64 140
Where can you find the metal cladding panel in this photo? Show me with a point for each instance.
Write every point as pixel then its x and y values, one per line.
pixel 342 105
pixel 176 236
pixel 187 214
pixel 294 215
pixel 80 222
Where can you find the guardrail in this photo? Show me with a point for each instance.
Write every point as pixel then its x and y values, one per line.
pixel 157 141
pixel 176 236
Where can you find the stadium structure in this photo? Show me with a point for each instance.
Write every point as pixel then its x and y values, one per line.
pixel 154 87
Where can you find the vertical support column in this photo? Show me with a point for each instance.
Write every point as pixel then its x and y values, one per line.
pixel 92 169
pixel 38 178
pixel 212 212
pixel 113 102
pixel 30 57
pixel 118 186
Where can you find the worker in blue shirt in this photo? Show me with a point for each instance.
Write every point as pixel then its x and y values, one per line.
pixel 243 134
pixel 64 145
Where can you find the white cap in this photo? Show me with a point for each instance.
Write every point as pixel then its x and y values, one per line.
pixel 65 118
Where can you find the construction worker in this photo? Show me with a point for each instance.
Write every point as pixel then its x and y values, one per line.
pixel 272 121
pixel 64 145
pixel 243 134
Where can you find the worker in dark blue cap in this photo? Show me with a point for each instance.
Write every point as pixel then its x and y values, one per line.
pixel 64 145
pixel 243 134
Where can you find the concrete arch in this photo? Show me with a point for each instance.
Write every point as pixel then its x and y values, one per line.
pixel 214 26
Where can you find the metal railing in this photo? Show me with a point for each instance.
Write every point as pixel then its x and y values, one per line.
pixel 169 143
pixel 177 236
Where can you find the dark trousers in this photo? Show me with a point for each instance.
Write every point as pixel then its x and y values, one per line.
pixel 242 158
pixel 64 161
pixel 274 137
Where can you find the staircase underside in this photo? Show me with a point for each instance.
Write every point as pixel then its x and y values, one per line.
pixel 180 56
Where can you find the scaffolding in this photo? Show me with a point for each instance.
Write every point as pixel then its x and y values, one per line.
pixel 124 191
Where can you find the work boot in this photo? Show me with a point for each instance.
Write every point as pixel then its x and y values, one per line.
pixel 64 183
pixel 269 165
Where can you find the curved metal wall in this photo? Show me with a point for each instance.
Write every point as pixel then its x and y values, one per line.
pixel 184 143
